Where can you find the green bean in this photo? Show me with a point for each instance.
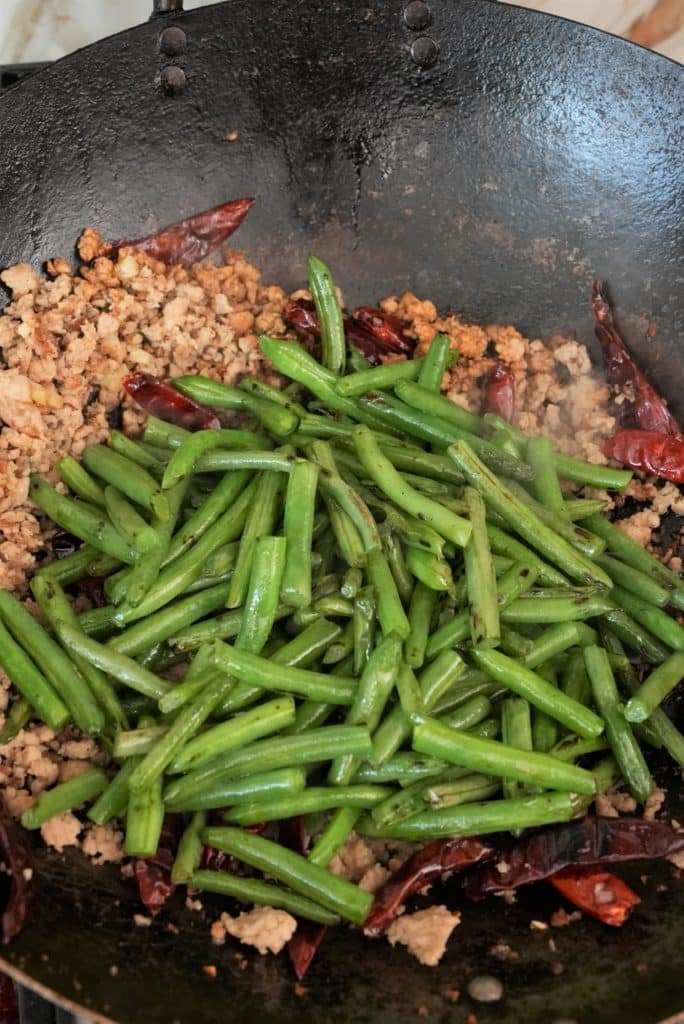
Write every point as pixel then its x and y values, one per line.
pixel 634 636
pixel 115 664
pixel 414 532
pixel 383 473
pixel 481 582
pixel 311 714
pixel 635 581
pixel 435 364
pixel 254 386
pixel 333 836
pixel 516 732
pixel 575 681
pixel 261 600
pixel 65 797
pixel 18 716
pixel 311 880
pixel 390 612
pixel 571 748
pixel 204 442
pixel 254 890
pixel 372 693
pixel 469 714
pixel 136 452
pixel 145 572
pixel 524 521
pixel 54 664
pixel 544 732
pixel 539 692
pixel 487 729
pixel 430 401
pixel 435 681
pixel 540 457
pixel 89 526
pixel 322 287
pixel 218 568
pixel 421 610
pixel 352 582
pixel 406 767
pixel 190 849
pixel 665 729
pixel 221 627
pixel 57 608
pixel 309 801
pixel 137 742
pixel 79 481
pixel 591 475
pixel 112 801
pixel 429 570
pixel 260 521
pixel 480 818
pixel 588 543
pixel 256 790
pixel 379 378
pixel 509 587
pixel 207 783
pixel 410 694
pixel 627 550
pixel 263 720
pixel 130 478
pixel 657 621
pixel 530 608
pixel 144 820
pixel 231 485
pixel 259 672
pixel 278 461
pixel 428 427
pixel 300 652
pixel 655 689
pixel 618 731
pixel 163 434
pixel 578 509
pixel 437 793
pixel 514 644
pixel 494 758
pixel 185 569
pixel 352 523
pixel 82 563
pixel 397 563
pixel 363 628
pixel 277 419
pixel 556 639
pixel 503 544
pixel 130 524
pixel 300 506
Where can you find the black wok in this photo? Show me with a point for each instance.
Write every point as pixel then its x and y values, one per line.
pixel 490 158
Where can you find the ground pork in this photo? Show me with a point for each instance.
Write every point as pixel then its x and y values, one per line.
pixel 265 928
pixel 425 933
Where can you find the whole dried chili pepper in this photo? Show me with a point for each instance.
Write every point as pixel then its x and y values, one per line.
pixel 499 392
pixel 159 399
pixel 303 945
pixel 361 339
pixel 194 238
pixel 598 893
pixel 424 867
pixel 17 861
pixel 647 409
pixel 589 841
pixel 386 330
pixel 659 454
pixel 301 315
pixel 153 874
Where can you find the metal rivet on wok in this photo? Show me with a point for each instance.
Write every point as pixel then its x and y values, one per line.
pixel 417 15
pixel 173 79
pixel 173 41
pixel 424 52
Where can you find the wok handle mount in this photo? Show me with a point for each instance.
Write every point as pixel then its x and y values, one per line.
pixel 167 7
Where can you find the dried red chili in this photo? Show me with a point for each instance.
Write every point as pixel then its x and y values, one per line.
pixel 194 238
pixel 153 874
pixel 386 330
pixel 301 315
pixel 646 409
pixel 589 841
pixel 499 392
pixel 159 399
pixel 659 454
pixel 303 945
pixel 424 867
pixel 598 893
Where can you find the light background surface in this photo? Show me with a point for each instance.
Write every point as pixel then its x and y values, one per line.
pixel 35 30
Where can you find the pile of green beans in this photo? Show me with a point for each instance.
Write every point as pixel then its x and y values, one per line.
pixel 380 612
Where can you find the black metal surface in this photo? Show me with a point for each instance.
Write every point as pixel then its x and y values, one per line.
pixel 534 155
pixel 490 158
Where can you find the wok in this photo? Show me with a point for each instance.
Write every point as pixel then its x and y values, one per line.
pixel 493 159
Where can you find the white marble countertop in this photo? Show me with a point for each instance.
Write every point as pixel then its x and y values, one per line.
pixel 33 30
